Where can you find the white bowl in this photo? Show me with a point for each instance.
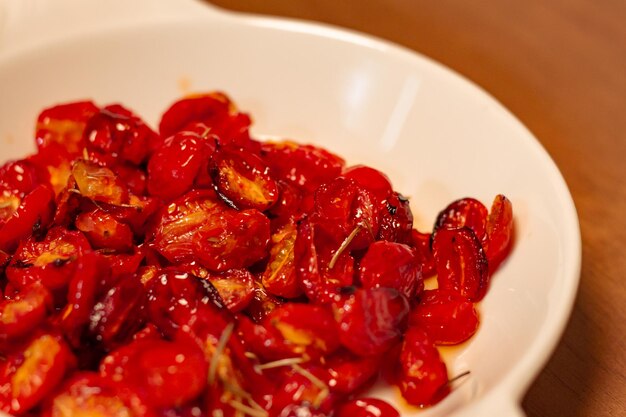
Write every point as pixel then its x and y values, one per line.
pixel 438 136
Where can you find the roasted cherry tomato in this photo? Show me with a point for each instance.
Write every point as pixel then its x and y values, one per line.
pixel 466 212
pixel 461 263
pixel 177 225
pixel 371 179
pixel 499 230
pixel 349 372
pixel 164 374
pixel 87 281
pixel 50 261
pixel 177 161
pixel 447 317
pixel 393 265
pixel 320 278
pixel 396 219
pixel 19 178
pixel 89 394
pixel 279 277
pixel 235 287
pixel 32 371
pixel 367 407
pixel 99 183
pixel 21 314
pixel 371 320
pixel 30 218
pixel 346 212
pixel 214 110
pixel 292 205
pixel 104 232
pixel 309 329
pixel 304 166
pixel 120 313
pixel 62 126
pixel 242 179
pixel 423 375
pixel 174 297
pixel 304 392
pixel 115 133
pixel 233 240
pixel 421 242
pixel 265 341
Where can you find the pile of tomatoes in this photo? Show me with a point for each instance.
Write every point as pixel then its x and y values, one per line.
pixel 196 271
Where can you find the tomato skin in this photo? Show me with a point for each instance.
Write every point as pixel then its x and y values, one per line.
pixel 465 212
pixel 297 393
pixel 367 407
pixel 279 277
pixel 499 231
pixel 234 240
pixel 32 216
pixel 304 166
pixel 262 303
pixel 120 313
pixel 307 328
pixel 5 258
pixel 32 372
pixel 167 288
pixel 99 183
pixel 393 265
pixel 371 321
pixel 320 282
pixel 421 243
pixel 175 164
pixel 215 110
pixel 50 261
pixel 175 227
pixel 423 374
pixel 242 179
pixel 461 263
pixel 89 394
pixel 104 231
pixel 341 205
pixel 114 134
pixel 24 312
pixel 63 125
pixel 349 372
pixel 82 291
pixel 20 177
pixel 396 219
pixel 447 317
pixel 265 341
pixel 235 287
pixel 164 374
pixel 371 179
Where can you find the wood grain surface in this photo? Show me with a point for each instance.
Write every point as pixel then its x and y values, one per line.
pixel 560 66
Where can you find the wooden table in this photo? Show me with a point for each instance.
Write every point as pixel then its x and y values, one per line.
pixel 560 66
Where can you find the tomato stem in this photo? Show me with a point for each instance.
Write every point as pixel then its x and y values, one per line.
pixel 324 390
pixel 458 377
pixel 247 410
pixel 344 246
pixel 279 363
pixel 221 344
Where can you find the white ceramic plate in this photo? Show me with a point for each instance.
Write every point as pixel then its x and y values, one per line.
pixel 437 135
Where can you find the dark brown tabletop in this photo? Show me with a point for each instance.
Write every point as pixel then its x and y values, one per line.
pixel 560 66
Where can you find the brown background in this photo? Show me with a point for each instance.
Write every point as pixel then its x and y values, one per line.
pixel 560 66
